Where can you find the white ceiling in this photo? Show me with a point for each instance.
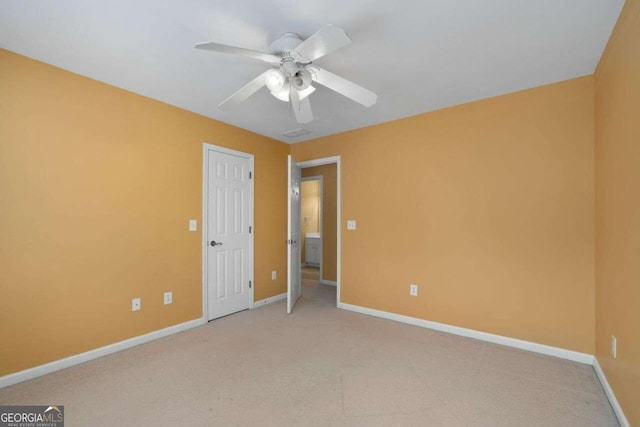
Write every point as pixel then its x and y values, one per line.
pixel 417 55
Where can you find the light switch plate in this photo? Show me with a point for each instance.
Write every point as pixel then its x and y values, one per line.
pixel 193 225
pixel 136 304
pixel 168 298
pixel 351 224
pixel 413 290
pixel 274 275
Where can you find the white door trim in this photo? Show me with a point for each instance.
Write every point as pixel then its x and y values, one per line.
pixel 327 161
pixel 294 228
pixel 206 147
pixel 320 216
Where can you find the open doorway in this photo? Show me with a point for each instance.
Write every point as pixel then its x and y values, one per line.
pixel 318 234
pixel 324 285
pixel 311 222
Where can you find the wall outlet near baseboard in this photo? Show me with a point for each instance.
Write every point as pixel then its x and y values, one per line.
pixel 274 275
pixel 614 347
pixel 168 298
pixel 413 290
pixel 136 304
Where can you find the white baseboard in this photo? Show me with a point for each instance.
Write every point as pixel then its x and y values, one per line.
pixel 269 300
pixel 77 359
pixel 622 419
pixel 478 335
pixel 329 282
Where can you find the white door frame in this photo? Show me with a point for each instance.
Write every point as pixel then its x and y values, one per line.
pixel 319 178
pixel 329 161
pixel 206 147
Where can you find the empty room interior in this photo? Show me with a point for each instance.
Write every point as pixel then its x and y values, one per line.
pixel 320 213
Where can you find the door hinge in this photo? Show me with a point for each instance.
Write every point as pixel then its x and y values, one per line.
pixel 249 229
pixel 250 175
pixel 249 284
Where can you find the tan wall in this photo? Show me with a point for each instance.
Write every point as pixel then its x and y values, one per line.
pixel 329 218
pixel 488 206
pixel 310 206
pixel 618 209
pixel 97 187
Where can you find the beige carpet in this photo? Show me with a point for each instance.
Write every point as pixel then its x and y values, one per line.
pixel 320 366
pixel 310 276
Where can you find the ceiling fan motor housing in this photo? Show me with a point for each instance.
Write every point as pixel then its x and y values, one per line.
pixel 285 44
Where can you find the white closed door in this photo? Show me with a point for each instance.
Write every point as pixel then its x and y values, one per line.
pixel 229 232
pixel 294 286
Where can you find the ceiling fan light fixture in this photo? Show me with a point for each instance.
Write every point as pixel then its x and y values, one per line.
pixel 283 93
pixel 275 80
pixel 301 80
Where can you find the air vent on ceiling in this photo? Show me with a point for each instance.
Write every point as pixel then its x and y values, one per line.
pixel 296 133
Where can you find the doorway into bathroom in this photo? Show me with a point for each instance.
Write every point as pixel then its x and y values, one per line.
pixel 311 222
pixel 319 228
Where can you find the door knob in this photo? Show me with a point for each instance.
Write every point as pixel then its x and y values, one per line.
pixel 214 243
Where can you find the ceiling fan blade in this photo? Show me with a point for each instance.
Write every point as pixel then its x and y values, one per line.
pixel 328 39
pixel 343 86
pixel 301 107
pixel 223 48
pixel 245 92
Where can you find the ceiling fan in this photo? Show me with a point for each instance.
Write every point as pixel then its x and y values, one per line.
pixel 293 72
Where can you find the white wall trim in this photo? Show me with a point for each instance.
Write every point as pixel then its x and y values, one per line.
pixel 622 419
pixel 319 162
pixel 478 335
pixel 328 282
pixel 269 300
pixel 77 359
